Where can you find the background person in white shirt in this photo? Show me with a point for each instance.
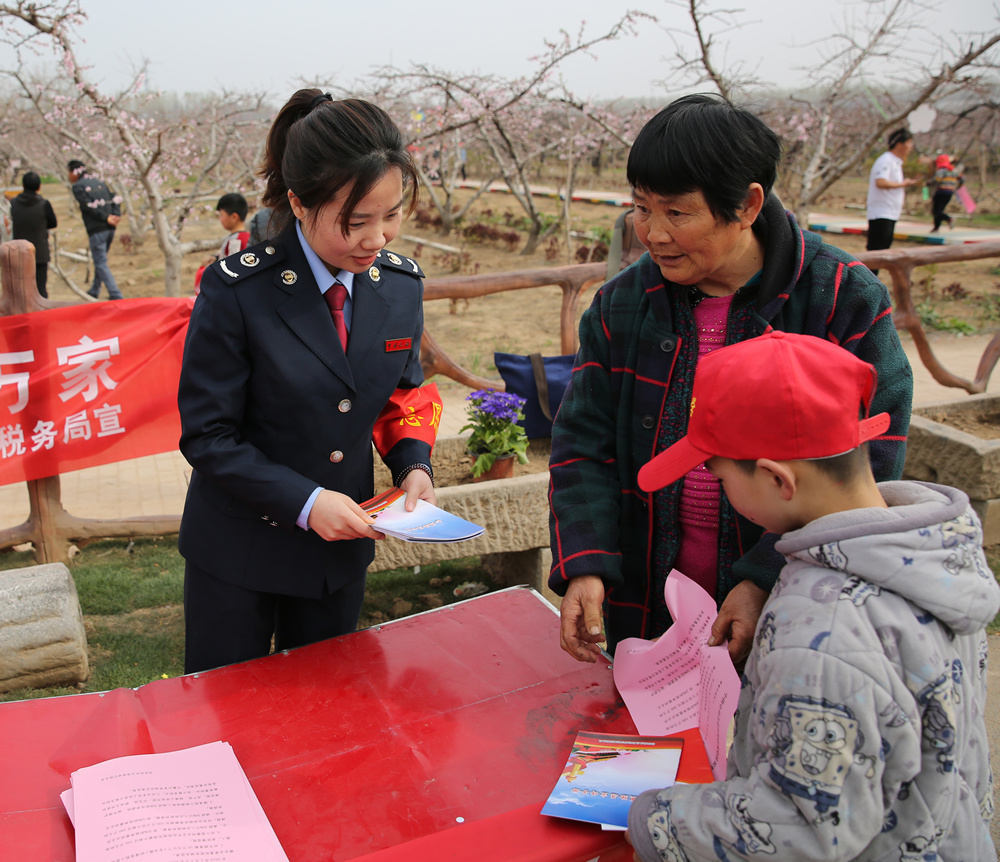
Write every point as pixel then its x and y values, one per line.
pixel 886 190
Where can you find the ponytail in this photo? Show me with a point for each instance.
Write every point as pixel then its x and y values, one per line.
pixel 316 147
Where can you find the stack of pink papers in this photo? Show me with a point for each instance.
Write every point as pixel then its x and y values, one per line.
pixel 194 803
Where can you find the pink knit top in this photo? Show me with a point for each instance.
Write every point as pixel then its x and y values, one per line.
pixel 698 557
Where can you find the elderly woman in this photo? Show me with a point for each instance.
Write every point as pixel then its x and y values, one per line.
pixel 724 262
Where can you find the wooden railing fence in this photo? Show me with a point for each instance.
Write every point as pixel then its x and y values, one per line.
pixel 50 528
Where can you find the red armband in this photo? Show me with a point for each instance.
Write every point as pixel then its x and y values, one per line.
pixel 410 414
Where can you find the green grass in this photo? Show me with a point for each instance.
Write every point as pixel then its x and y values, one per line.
pixel 931 318
pixel 985 220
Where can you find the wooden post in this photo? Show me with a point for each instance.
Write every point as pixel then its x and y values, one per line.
pixel 17 274
pixel 50 528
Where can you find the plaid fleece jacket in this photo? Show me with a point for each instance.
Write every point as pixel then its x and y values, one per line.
pixel 628 399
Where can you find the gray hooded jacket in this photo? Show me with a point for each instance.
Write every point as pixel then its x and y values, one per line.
pixel 859 732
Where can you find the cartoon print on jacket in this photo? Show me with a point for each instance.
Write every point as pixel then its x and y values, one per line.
pixel 937 701
pixel 919 848
pixel 815 742
pixel 962 535
pixel 753 836
pixel 831 556
pixel 858 590
pixel 664 836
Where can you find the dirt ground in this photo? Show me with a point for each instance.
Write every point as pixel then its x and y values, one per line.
pixel 961 296
pixel 983 424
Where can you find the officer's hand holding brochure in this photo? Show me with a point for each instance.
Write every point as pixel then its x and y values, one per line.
pixel 426 523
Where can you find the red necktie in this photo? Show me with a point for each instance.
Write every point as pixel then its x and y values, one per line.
pixel 335 297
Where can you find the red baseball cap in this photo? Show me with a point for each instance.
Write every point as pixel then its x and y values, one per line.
pixel 782 396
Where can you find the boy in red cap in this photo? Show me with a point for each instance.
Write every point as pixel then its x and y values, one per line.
pixel 860 732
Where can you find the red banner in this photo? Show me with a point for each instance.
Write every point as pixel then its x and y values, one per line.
pixel 89 384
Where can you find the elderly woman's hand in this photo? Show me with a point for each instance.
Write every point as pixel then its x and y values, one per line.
pixel 737 620
pixel 581 621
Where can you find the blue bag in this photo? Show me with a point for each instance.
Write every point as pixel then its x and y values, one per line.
pixel 541 381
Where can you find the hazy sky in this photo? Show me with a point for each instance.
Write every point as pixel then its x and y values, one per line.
pixel 270 45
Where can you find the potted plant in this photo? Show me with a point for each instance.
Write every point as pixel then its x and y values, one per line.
pixel 496 436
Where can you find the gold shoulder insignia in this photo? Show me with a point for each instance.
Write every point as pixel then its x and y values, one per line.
pixel 399 263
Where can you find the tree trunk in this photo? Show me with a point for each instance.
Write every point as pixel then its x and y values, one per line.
pixel 172 259
pixel 533 235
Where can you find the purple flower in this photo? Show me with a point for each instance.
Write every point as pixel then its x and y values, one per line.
pixel 493 418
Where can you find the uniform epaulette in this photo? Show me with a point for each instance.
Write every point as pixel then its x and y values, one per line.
pixel 251 260
pixel 391 260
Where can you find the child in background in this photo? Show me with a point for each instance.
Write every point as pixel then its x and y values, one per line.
pixel 232 212
pixel 946 181
pixel 860 732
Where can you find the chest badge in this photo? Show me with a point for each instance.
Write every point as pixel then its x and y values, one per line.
pixel 374 274
pixel 396 344
pixel 289 277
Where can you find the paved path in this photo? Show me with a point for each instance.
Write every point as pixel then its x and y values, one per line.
pixel 907 230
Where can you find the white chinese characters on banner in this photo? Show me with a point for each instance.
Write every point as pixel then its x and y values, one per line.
pixel 88 365
pixel 89 384
pixel 17 378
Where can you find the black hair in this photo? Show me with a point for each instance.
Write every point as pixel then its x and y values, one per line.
pixel 842 468
pixel 899 136
pixel 75 165
pixel 704 143
pixel 316 147
pixel 31 182
pixel 233 202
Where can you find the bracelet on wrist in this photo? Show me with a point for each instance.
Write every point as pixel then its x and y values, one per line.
pixel 397 480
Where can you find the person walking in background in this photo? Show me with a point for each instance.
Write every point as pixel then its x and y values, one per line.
pixel 101 214
pixel 946 181
pixel 886 191
pixel 32 218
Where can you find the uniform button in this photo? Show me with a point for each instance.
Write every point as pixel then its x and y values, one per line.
pixel 648 422
pixel 345 406
pixel 669 344
pixel 336 456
